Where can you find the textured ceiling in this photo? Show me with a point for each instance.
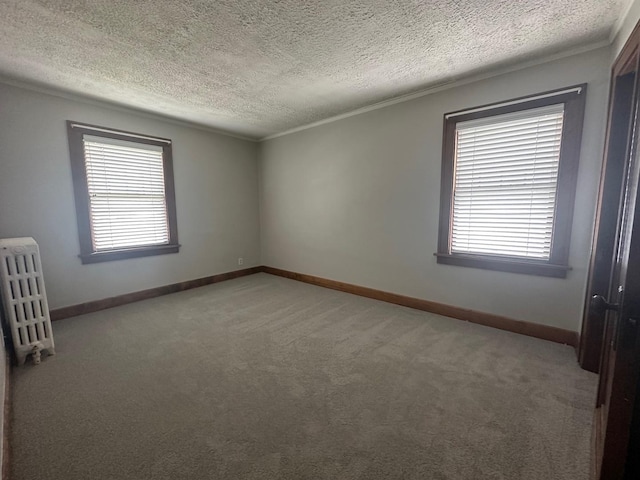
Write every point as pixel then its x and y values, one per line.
pixel 258 67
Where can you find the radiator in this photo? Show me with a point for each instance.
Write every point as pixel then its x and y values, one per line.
pixel 24 298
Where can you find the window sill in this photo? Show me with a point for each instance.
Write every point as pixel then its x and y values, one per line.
pixel 121 254
pixel 504 264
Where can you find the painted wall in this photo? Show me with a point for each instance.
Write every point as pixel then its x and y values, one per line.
pixel 216 181
pixel 625 28
pixel 357 200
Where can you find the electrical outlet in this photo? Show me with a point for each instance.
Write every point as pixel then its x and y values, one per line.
pixel 240 261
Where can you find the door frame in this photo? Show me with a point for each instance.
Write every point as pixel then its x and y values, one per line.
pixel 605 226
pixel 615 273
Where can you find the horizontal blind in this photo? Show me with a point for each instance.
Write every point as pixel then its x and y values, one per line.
pixel 506 175
pixel 126 193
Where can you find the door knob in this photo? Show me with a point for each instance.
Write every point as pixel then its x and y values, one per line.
pixel 600 305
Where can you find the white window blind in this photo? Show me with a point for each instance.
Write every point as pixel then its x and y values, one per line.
pixel 506 175
pixel 126 193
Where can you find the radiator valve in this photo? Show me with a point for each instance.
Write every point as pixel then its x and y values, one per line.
pixel 35 353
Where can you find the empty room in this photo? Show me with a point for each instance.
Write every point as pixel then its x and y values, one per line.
pixel 337 240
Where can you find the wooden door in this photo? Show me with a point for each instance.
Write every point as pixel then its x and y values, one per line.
pixel 614 420
pixel 619 131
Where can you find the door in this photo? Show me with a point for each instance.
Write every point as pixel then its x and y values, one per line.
pixel 619 131
pixel 614 420
pixel 620 367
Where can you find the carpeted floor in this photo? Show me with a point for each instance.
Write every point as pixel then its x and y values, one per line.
pixel 267 378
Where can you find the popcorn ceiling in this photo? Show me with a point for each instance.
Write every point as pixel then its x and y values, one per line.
pixel 258 67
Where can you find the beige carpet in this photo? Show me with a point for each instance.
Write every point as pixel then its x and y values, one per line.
pixel 267 378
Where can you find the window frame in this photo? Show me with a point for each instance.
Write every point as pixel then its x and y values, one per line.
pixel 76 132
pixel 557 265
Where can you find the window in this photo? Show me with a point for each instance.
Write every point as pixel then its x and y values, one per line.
pixel 508 184
pixel 125 201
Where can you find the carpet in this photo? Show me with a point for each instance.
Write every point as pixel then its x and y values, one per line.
pixel 267 378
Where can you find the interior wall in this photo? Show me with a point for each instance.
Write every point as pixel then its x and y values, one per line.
pixel 626 27
pixel 216 183
pixel 357 200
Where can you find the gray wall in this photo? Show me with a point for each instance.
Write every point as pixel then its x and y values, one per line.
pixel 216 180
pixel 626 28
pixel 357 200
pixel 354 200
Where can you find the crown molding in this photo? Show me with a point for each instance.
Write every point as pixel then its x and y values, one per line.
pixel 367 108
pixel 78 97
pixel 444 86
pixel 615 30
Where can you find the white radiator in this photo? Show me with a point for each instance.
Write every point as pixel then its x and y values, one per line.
pixel 24 298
